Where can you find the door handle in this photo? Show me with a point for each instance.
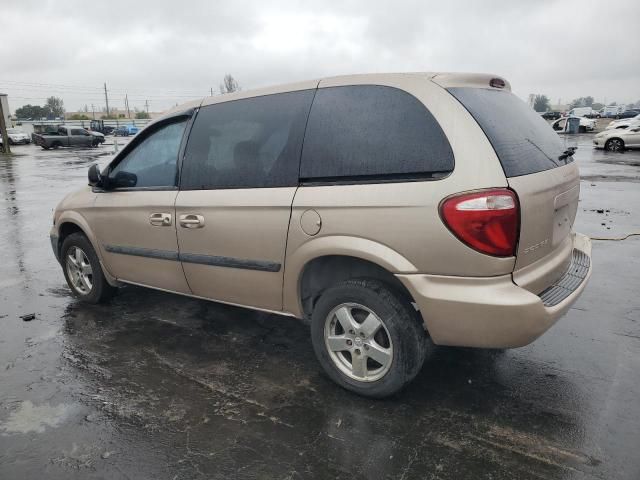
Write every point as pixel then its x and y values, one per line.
pixel 160 219
pixel 190 220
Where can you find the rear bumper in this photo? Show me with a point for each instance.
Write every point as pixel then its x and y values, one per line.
pixel 494 312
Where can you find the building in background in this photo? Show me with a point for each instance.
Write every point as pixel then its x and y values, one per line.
pixel 4 99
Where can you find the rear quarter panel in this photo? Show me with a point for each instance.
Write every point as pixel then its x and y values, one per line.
pixel 402 219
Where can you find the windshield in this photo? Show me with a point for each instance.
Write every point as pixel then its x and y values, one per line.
pixel 522 140
pixel 13 130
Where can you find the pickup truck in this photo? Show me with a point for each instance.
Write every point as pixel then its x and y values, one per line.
pixel 68 137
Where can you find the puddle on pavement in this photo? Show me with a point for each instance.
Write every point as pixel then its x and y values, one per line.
pixel 35 418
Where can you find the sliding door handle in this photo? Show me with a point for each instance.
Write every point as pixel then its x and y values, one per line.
pixel 160 219
pixel 191 221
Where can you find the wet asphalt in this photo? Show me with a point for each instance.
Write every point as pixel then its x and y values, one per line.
pixel 160 386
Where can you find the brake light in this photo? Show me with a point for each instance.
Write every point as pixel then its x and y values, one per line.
pixel 487 220
pixel 497 83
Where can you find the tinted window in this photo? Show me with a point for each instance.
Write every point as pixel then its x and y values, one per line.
pixel 254 142
pixel 369 131
pixel 523 141
pixel 152 162
pixel 77 131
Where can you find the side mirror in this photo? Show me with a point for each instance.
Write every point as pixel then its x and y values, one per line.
pixel 95 179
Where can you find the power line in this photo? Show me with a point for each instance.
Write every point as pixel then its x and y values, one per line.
pixel 62 87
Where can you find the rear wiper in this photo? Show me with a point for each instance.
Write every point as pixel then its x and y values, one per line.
pixel 568 153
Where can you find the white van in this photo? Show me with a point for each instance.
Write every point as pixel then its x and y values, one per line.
pixel 612 111
pixel 580 112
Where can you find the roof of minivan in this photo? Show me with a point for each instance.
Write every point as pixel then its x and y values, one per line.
pixel 444 79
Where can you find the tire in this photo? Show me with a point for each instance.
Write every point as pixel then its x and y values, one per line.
pixel 56 145
pixel 399 342
pixel 45 148
pixel 96 289
pixel 614 145
pixel 582 129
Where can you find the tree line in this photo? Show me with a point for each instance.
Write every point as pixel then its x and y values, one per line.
pixel 541 103
pixel 54 106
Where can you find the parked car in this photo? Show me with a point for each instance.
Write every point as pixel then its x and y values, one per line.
pixel 618 140
pixel 68 137
pixel 121 131
pixel 393 235
pixel 624 123
pixel 17 137
pixel 628 113
pixel 551 115
pixel 586 124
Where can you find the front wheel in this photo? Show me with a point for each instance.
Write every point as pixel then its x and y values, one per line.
pixel 368 337
pixel 82 270
pixel 614 145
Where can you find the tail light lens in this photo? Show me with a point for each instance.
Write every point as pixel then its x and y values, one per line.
pixel 487 220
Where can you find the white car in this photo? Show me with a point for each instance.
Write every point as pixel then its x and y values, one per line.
pixel 586 124
pixel 624 122
pixel 617 140
pixel 17 136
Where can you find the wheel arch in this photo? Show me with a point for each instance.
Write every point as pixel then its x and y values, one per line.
pixel 72 222
pixel 325 261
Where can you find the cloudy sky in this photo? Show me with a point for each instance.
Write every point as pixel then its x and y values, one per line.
pixel 168 52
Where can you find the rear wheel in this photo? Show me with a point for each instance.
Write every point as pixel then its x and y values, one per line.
pixel 614 145
pixel 82 270
pixel 368 337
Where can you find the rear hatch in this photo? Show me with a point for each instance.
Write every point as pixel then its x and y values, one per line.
pixel 546 181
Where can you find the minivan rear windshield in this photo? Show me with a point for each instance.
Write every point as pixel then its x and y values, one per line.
pixel 524 142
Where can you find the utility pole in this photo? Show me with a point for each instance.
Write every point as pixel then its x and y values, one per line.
pixel 212 91
pixel 146 105
pixel 3 131
pixel 93 110
pixel 126 102
pixel 106 97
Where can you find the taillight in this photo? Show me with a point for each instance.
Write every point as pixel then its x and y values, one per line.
pixel 487 220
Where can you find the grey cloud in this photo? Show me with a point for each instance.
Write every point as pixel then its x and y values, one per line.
pixel 162 48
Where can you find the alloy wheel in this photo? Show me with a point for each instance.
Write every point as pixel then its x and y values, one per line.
pixel 615 145
pixel 358 342
pixel 79 270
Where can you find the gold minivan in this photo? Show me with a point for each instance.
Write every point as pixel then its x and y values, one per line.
pixel 389 210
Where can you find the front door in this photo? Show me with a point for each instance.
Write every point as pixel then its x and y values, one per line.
pixel 79 136
pixel 134 217
pixel 239 177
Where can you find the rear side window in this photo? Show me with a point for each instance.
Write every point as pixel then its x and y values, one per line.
pixel 523 141
pixel 248 143
pixel 368 132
